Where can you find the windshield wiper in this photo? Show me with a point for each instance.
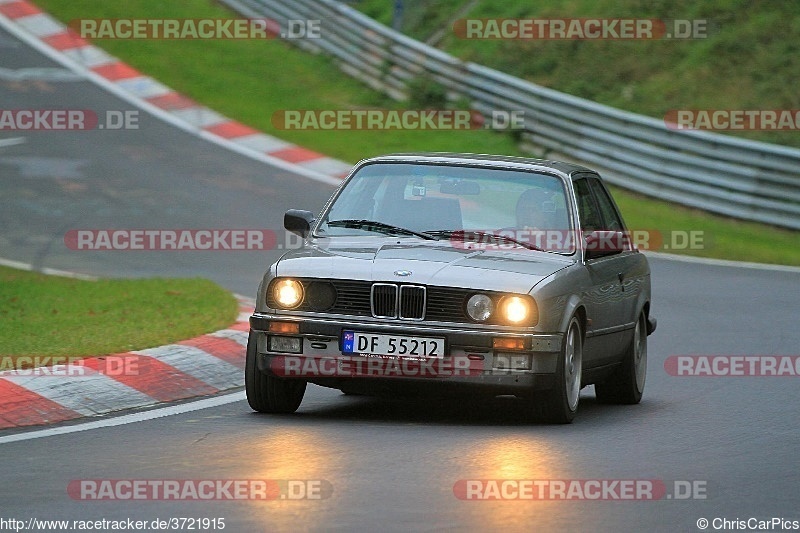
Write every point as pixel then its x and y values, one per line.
pixel 464 234
pixel 380 227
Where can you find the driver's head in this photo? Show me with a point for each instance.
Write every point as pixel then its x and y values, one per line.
pixel 535 209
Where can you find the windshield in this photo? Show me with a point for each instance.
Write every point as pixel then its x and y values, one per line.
pixel 408 198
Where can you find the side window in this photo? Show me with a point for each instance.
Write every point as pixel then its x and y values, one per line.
pixel 587 208
pixel 611 218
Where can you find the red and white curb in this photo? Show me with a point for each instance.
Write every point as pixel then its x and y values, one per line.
pixel 201 366
pixel 35 27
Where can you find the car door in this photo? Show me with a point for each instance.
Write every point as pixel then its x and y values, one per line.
pixel 603 298
pixel 632 265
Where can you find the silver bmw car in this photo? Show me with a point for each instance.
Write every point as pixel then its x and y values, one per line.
pixel 456 274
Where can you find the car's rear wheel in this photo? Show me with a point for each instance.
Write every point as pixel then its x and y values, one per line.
pixel 269 394
pixel 560 404
pixel 626 385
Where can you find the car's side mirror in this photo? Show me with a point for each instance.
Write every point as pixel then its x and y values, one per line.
pixel 298 221
pixel 604 243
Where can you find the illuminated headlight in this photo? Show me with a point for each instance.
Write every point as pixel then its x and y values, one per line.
pixel 288 293
pixel 480 307
pixel 515 309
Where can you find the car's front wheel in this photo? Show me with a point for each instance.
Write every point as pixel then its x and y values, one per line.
pixel 626 385
pixel 560 404
pixel 269 394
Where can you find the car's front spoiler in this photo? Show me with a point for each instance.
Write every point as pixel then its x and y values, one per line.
pixel 393 375
pixel 470 361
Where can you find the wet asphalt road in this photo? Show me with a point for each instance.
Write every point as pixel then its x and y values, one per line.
pixel 392 464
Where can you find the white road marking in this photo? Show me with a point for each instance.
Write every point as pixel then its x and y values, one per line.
pixel 49 271
pixel 39 74
pixel 156 111
pixel 722 262
pixel 12 141
pixel 88 394
pixel 198 405
pixel 233 334
pixel 199 364
pixel 41 25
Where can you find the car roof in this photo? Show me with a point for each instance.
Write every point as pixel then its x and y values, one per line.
pixel 503 161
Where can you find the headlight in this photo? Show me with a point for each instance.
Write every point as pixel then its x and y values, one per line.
pixel 288 293
pixel 320 296
pixel 480 307
pixel 515 309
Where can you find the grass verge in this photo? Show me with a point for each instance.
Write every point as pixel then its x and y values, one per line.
pixel 57 316
pixel 249 80
pixel 746 57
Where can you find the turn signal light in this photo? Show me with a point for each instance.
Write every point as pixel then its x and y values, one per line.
pixel 508 343
pixel 284 327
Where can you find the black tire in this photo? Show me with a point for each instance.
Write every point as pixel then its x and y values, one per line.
pixel 560 404
pixel 269 394
pixel 626 385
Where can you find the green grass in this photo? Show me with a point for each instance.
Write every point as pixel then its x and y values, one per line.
pixel 56 316
pixel 749 60
pixel 250 80
pixel 723 238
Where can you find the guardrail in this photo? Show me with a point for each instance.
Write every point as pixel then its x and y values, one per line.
pixel 722 174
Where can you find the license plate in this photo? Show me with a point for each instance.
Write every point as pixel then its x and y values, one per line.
pixel 355 342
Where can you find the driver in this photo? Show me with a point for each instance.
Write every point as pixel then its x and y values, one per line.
pixel 536 210
pixel 540 221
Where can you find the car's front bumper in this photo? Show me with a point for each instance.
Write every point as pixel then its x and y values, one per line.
pixel 470 362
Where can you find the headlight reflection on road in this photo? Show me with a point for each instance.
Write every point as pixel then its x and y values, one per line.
pixel 519 458
pixel 291 454
pixel 509 458
pixel 302 469
pixel 295 465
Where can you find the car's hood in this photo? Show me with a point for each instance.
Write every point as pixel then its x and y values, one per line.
pixel 429 263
